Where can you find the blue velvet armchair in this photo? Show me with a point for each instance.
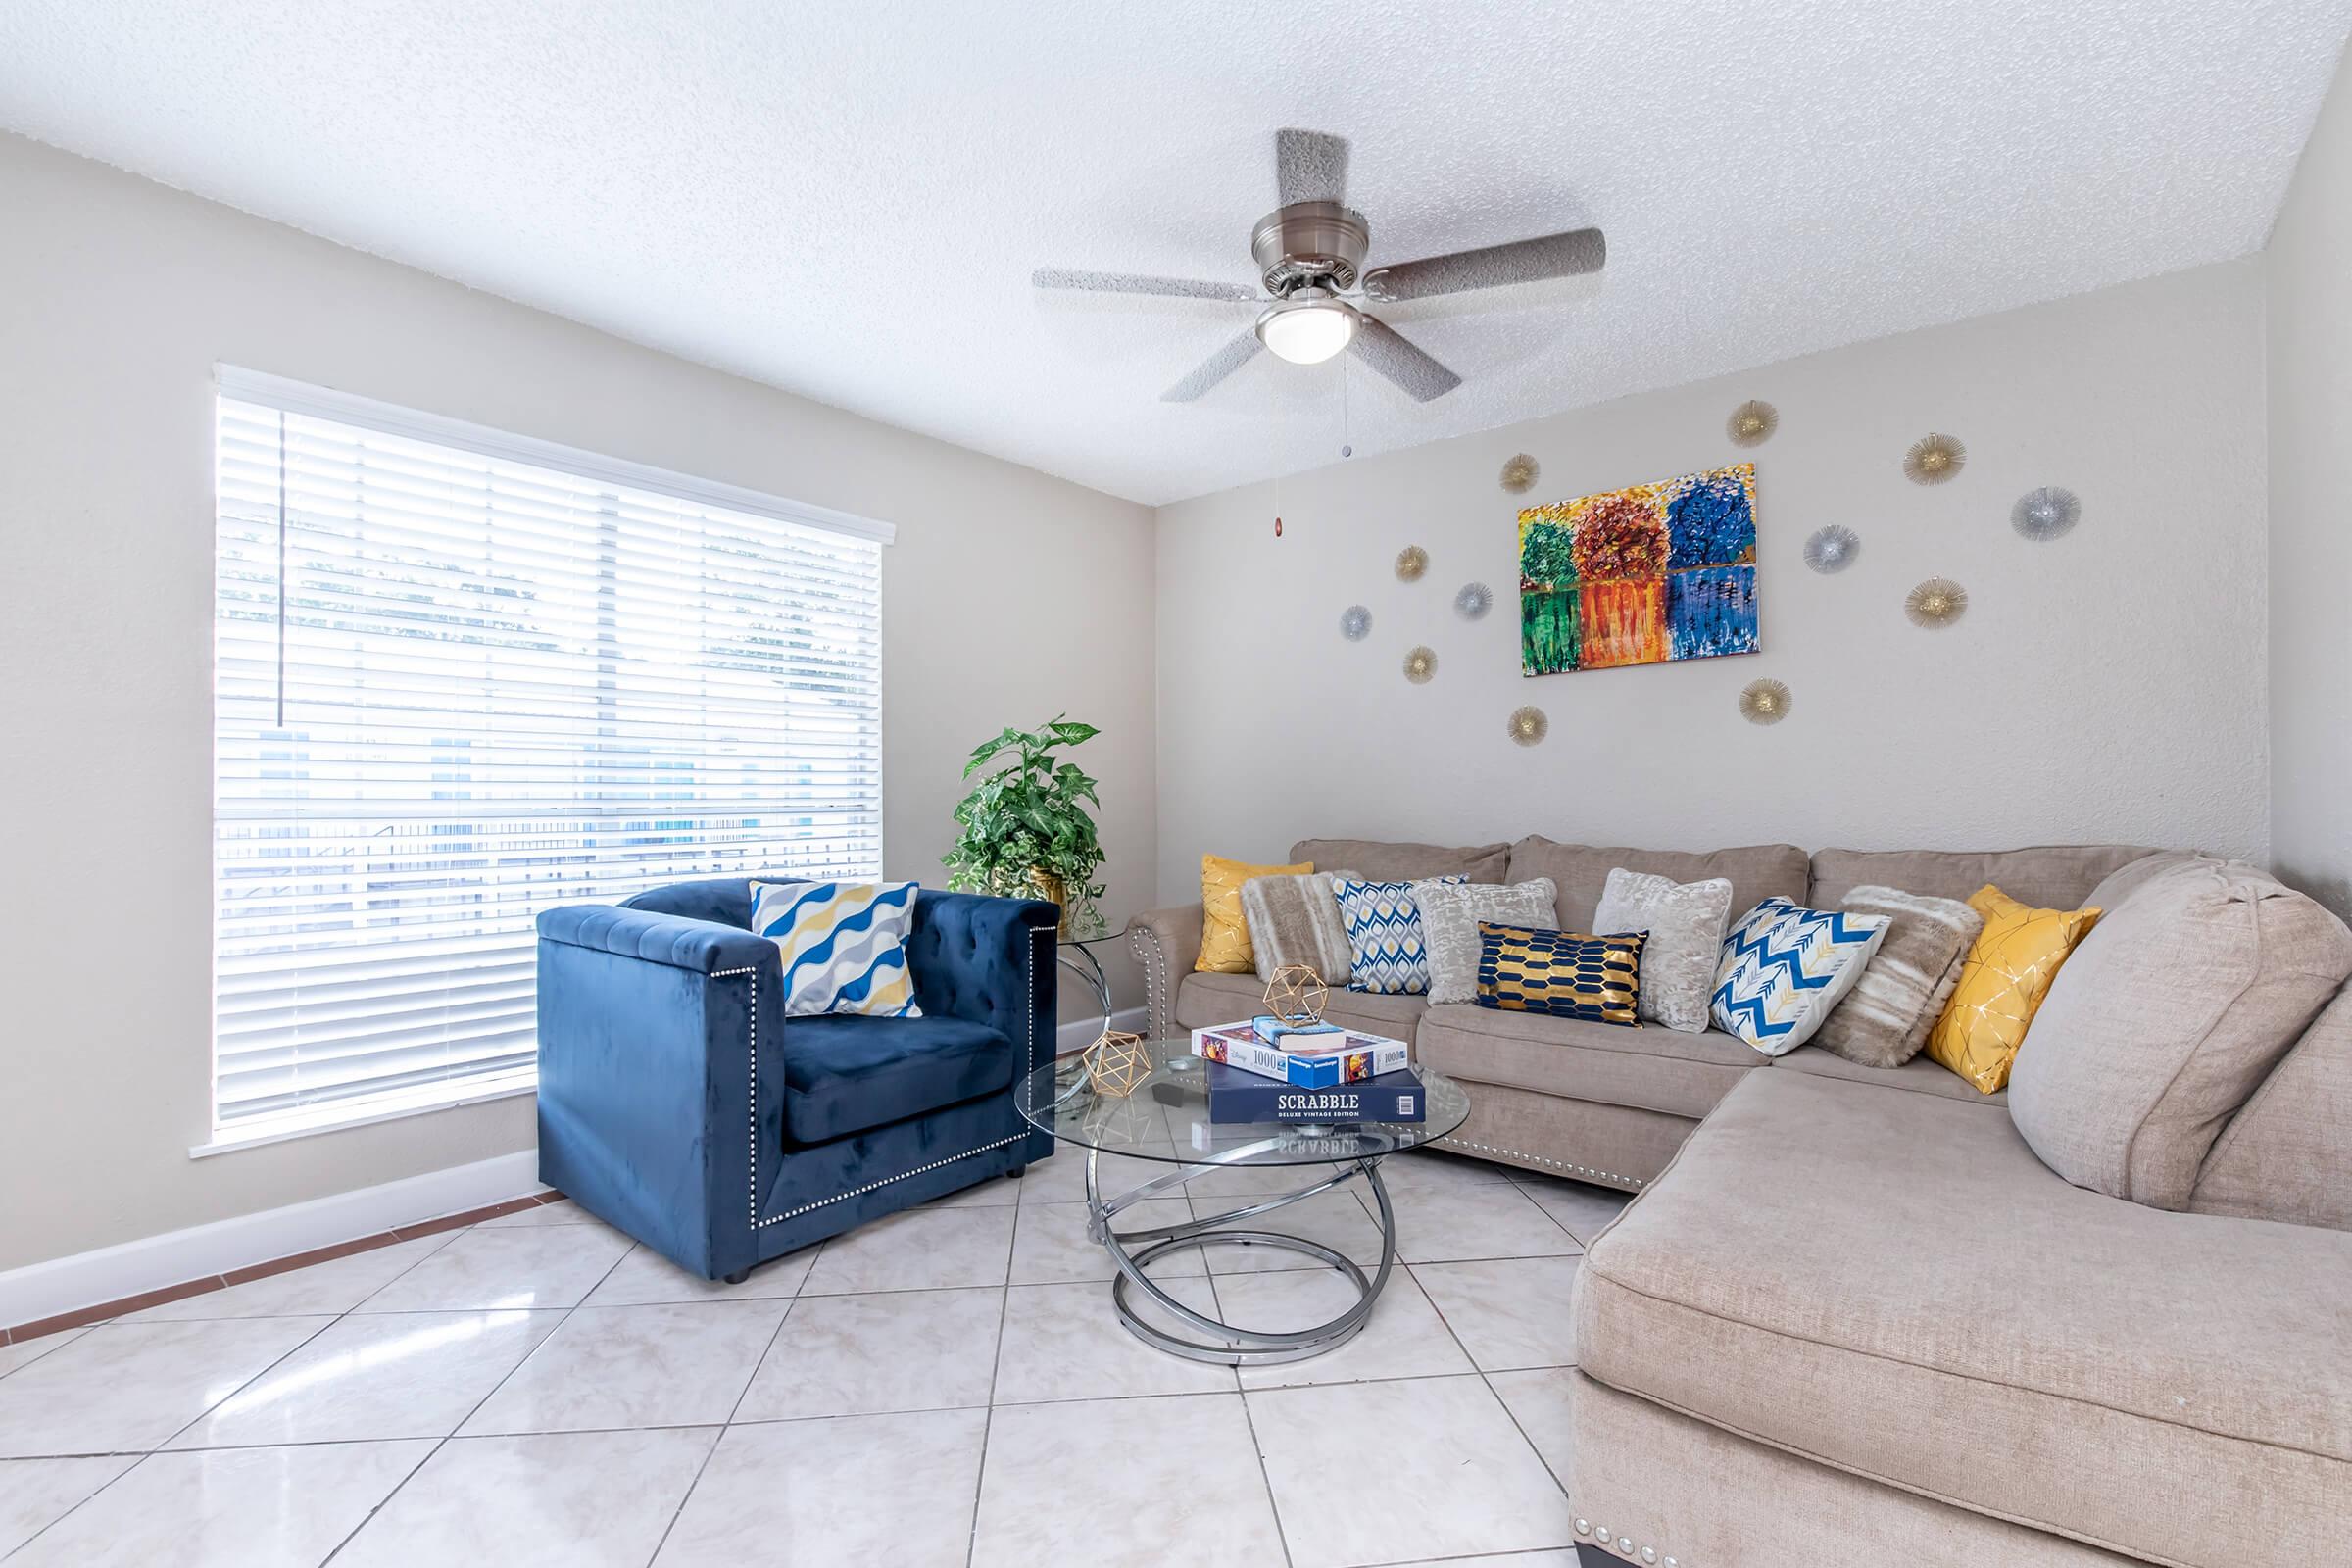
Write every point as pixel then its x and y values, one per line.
pixel 679 1105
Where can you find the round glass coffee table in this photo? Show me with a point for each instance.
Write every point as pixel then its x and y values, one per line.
pixel 1166 1119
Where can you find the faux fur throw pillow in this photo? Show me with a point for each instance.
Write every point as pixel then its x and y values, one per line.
pixel 1686 922
pixel 1295 919
pixel 1887 1017
pixel 1449 916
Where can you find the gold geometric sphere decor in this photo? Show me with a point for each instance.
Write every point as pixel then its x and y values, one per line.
pixel 1411 561
pixel 1297 994
pixel 1934 458
pixel 1116 1063
pixel 1751 424
pixel 1529 726
pixel 1764 701
pixel 1938 602
pixel 1519 473
pixel 1420 664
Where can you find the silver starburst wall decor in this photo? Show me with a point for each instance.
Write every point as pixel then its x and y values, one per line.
pixel 1355 622
pixel 1832 549
pixel 2045 513
pixel 1472 600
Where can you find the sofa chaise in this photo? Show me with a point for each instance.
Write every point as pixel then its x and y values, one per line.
pixel 1852 1315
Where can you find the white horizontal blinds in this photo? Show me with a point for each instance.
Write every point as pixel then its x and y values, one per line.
pixel 454 689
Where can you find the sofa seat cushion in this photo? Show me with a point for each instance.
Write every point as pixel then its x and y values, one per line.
pixel 846 1072
pixel 1892 1284
pixel 1213 999
pixel 1650 1068
pixel 1918 1075
pixel 1580 872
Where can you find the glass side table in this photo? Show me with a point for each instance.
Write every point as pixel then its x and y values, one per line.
pixel 1075 951
pixel 1166 1119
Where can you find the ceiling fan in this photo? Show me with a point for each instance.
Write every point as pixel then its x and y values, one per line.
pixel 1310 255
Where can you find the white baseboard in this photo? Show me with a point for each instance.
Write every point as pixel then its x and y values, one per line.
pixel 110 1273
pixel 1080 1033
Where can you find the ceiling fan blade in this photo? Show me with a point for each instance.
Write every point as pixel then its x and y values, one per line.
pixel 1182 288
pixel 1522 261
pixel 1216 367
pixel 1393 355
pixel 1310 166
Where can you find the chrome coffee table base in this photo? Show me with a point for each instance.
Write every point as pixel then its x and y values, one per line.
pixel 1222 1343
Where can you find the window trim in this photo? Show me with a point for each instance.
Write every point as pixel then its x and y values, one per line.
pixel 391 418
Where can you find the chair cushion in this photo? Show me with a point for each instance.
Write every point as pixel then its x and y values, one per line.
pixel 1651 1069
pixel 1377 862
pixel 2170 1011
pixel 1581 871
pixel 2058 876
pixel 1203 999
pixel 846 1072
pixel 1892 1284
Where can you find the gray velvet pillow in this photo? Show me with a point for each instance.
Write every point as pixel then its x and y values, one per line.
pixel 1449 916
pixel 1685 921
pixel 1886 1019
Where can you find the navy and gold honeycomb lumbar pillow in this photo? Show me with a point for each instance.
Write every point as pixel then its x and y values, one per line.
pixel 1565 973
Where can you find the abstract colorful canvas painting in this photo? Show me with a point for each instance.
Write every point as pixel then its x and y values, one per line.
pixel 1640 576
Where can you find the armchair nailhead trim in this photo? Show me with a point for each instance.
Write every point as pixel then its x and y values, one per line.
pixel 1028 1065
pixel 1540 1160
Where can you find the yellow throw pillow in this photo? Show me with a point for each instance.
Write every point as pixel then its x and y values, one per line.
pixel 1224 934
pixel 2007 972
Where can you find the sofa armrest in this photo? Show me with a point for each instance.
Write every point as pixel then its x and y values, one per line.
pixel 660 1081
pixel 703 946
pixel 1166 944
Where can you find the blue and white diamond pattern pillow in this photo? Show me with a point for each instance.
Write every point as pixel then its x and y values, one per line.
pixel 844 945
pixel 1387 950
pixel 1785 966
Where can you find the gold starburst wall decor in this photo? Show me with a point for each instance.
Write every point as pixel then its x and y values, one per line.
pixel 1751 424
pixel 1519 473
pixel 1938 602
pixel 1297 994
pixel 1934 458
pixel 1764 701
pixel 1411 561
pixel 1529 726
pixel 1420 664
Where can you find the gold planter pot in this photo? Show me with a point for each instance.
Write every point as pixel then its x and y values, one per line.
pixel 1048 886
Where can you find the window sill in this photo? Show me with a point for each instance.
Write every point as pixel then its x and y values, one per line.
pixel 364 1113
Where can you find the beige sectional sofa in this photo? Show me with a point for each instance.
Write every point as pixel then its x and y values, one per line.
pixel 1852 1316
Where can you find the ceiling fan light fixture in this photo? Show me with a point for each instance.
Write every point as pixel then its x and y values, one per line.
pixel 1308 327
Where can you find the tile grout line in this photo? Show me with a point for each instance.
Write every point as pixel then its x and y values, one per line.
pixel 988 1419
pixel 729 1425
pixel 443 1441
pixel 1265 1477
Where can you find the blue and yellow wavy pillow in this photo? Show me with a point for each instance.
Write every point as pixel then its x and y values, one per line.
pixel 844 945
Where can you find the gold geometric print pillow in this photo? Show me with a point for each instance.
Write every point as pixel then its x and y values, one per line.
pixel 1565 973
pixel 2002 980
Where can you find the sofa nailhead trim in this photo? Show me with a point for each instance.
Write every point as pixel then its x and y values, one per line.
pixel 1160 1005
pixel 1028 1065
pixel 1540 1160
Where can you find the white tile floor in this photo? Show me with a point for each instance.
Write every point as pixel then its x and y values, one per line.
pixel 946 1386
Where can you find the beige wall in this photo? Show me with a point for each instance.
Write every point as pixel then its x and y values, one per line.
pixel 1010 596
pixel 2107 686
pixel 2310 262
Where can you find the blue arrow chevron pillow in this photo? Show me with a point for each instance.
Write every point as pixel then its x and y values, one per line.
pixel 1785 966
pixel 844 945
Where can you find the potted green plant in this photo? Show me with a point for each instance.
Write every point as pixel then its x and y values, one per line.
pixel 1024 831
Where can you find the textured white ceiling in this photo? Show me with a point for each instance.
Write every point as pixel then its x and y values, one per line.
pixel 847 199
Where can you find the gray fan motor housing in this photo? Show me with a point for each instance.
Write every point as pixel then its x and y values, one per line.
pixel 1310 245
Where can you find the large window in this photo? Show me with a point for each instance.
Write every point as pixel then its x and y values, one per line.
pixel 461 677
